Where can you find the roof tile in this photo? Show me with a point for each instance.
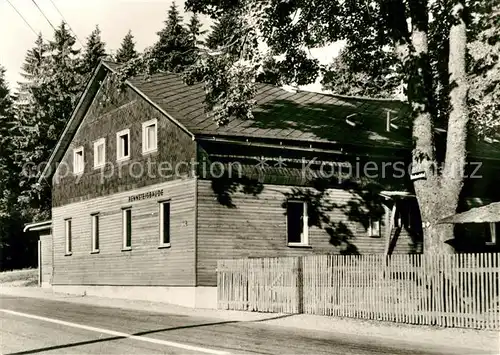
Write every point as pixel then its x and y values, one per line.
pixel 281 114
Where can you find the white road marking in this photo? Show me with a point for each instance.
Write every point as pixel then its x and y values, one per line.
pixel 118 334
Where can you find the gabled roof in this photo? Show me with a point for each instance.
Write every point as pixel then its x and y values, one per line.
pixel 278 115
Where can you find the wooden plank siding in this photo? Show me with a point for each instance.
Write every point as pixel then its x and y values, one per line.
pixel 46 261
pixel 145 264
pixel 109 113
pixel 256 227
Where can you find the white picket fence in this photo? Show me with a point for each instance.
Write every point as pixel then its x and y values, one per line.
pixel 459 290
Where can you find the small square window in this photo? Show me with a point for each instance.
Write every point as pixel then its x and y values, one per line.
pixel 100 153
pixel 78 161
pixel 374 228
pixel 165 223
pixel 67 235
pixel 297 223
pixel 95 232
pixel 123 145
pixel 149 136
pixel 127 228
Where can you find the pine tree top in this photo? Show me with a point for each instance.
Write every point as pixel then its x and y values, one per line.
pixel 175 48
pixel 174 17
pixel 34 58
pixel 94 51
pixel 127 50
pixel 224 31
pixel 194 28
pixel 63 41
pixel 4 91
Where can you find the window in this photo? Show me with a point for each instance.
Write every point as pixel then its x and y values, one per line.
pixel 494 231
pixel 165 223
pixel 95 232
pixel 374 227
pixel 99 153
pixel 297 223
pixel 67 234
pixel 149 136
pixel 123 144
pixel 127 228
pixel 401 208
pixel 78 161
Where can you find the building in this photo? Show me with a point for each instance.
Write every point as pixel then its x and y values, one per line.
pixel 478 221
pixel 148 192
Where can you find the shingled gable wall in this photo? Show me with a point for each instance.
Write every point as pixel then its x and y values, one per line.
pixel 170 270
pixel 109 113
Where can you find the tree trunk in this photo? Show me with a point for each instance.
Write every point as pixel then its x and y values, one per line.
pixel 439 192
pixel 453 172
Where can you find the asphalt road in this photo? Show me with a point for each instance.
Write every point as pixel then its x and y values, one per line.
pixel 30 326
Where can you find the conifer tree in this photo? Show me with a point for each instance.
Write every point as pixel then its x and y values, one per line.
pixel 127 50
pixel 195 30
pixel 225 30
pixel 94 51
pixel 6 148
pixel 34 58
pixel 49 97
pixel 14 247
pixel 174 49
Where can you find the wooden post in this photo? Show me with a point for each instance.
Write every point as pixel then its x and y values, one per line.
pixel 389 226
pixel 300 285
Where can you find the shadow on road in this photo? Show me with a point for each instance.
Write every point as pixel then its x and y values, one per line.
pixel 88 342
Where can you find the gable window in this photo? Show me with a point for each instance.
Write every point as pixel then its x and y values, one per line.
pixel 297 223
pixel 95 232
pixel 494 232
pixel 123 145
pixel 67 235
pixel 149 136
pixel 127 228
pixel 374 227
pixel 99 153
pixel 164 223
pixel 78 160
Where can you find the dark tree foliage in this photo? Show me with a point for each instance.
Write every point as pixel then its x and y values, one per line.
pixel 415 47
pixel 33 60
pixel 47 100
pixel 195 30
pixel 225 30
pixel 484 68
pixel 7 178
pixel 94 51
pixel 52 83
pixel 340 78
pixel 127 50
pixel 16 249
pixel 174 50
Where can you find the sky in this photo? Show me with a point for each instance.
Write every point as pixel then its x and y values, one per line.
pixel 114 17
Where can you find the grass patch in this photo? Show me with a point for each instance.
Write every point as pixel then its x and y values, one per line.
pixel 24 277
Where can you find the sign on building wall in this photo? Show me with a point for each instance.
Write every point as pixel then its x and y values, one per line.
pixel 145 195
